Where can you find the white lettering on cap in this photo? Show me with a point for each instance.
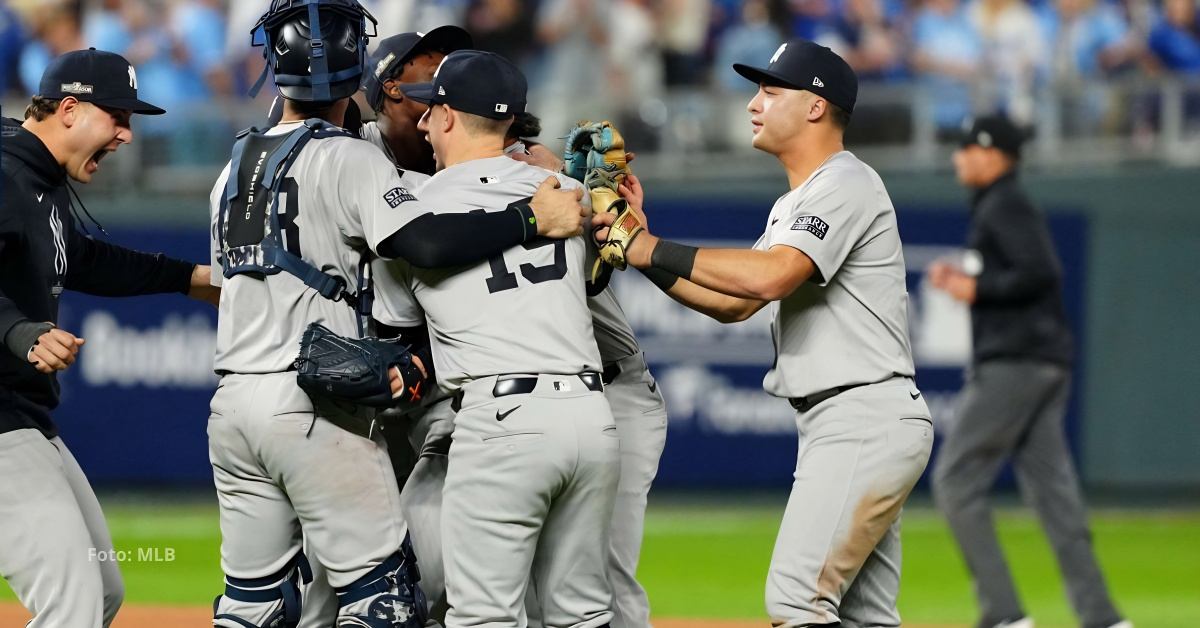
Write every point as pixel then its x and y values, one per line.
pixel 778 53
pixel 76 88
pixel 383 64
pixel 132 77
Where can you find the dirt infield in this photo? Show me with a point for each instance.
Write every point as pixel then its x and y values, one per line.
pixel 138 616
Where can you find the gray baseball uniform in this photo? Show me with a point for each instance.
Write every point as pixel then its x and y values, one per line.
pixel 641 419
pixel 279 463
pixel 533 469
pixel 844 361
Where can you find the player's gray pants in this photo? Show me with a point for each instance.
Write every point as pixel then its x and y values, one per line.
pixel 641 418
pixel 264 436
pixel 421 501
pixel 428 434
pixel 55 549
pixel 837 557
pixel 530 489
pixel 1015 409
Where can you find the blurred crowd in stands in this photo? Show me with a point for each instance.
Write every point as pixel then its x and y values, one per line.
pixel 961 51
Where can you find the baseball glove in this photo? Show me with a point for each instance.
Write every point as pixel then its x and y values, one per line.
pixel 355 369
pixel 592 145
pixel 595 155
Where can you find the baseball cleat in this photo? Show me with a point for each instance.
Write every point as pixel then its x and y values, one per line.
pixel 1023 622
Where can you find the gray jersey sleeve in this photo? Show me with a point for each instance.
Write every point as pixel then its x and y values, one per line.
pixel 827 218
pixel 395 303
pixel 368 192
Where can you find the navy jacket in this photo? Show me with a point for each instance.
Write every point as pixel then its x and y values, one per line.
pixel 41 254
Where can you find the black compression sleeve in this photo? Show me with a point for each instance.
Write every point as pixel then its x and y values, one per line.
pixel 441 240
pixel 677 259
pixel 661 278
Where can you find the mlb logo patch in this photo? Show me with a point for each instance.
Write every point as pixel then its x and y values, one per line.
pixel 813 225
pixel 396 196
pixel 488 180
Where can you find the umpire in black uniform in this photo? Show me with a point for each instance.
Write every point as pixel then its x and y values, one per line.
pixel 1017 389
pixel 55 549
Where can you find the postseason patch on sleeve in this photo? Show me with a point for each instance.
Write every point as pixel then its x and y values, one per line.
pixel 395 196
pixel 813 225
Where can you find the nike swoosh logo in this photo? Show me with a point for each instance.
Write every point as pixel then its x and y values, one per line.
pixel 500 416
pixel 39 198
pixel 653 386
pixel 915 396
pixel 774 221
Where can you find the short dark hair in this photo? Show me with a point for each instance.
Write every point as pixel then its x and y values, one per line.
pixel 479 125
pixel 41 108
pixel 525 124
pixel 840 117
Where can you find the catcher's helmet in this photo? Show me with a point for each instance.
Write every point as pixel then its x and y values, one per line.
pixel 317 49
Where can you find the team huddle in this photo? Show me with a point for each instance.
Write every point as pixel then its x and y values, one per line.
pixel 433 281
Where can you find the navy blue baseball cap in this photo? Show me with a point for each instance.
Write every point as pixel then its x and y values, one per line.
pixel 476 82
pixel 393 52
pixel 95 76
pixel 802 64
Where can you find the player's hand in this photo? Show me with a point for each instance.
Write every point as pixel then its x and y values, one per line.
pixel 201 286
pixel 539 156
pixel 938 274
pixel 631 190
pixel 639 253
pixel 559 213
pixel 54 350
pixel 396 380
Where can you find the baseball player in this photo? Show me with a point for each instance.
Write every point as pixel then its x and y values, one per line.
pixel 831 268
pixel 532 472
pixel 631 391
pixel 294 216
pixel 1017 389
pixel 55 548
pixel 638 409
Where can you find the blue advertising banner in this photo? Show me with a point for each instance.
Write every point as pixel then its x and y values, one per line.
pixel 135 405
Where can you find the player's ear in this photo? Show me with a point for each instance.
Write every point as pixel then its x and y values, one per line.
pixel 391 88
pixel 817 107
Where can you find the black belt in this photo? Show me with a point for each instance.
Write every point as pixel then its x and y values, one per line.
pixel 804 404
pixel 525 385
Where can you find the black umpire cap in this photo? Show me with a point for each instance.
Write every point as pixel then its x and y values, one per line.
pixel 473 81
pixel 994 131
pixel 95 76
pixel 802 64
pixel 393 52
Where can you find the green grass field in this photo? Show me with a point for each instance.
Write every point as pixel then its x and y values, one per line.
pixel 707 559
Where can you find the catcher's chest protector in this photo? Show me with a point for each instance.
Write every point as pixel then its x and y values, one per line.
pixel 257 236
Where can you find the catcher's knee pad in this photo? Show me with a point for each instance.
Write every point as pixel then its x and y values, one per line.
pixel 270 602
pixel 387 597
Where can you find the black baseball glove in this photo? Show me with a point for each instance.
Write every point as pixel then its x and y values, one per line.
pixel 356 369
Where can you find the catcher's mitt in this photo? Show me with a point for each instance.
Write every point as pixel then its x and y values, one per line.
pixel 595 155
pixel 355 369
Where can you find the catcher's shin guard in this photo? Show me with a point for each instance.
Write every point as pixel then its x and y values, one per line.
pixel 270 602
pixel 386 597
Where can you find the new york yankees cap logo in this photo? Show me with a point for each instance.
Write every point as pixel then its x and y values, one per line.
pixel 802 64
